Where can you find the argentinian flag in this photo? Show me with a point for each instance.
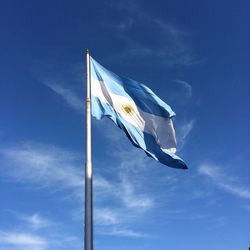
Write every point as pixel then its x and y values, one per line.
pixel 133 107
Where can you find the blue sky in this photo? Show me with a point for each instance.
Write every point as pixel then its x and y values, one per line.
pixel 194 55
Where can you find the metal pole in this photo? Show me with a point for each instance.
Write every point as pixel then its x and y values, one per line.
pixel 88 240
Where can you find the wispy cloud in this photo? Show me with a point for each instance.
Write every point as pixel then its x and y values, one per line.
pixel 123 195
pixel 107 216
pixel 35 232
pixel 50 166
pixel 124 233
pixel 36 221
pixel 188 90
pixel 167 44
pixel 72 99
pixel 43 166
pixel 133 200
pixel 51 238
pixel 183 131
pixel 223 181
pixel 23 240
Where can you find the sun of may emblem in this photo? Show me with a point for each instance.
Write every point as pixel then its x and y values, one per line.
pixel 128 109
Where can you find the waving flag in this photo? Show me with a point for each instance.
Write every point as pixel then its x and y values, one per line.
pixel 133 107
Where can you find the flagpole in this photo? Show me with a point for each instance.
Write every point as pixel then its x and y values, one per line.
pixel 88 229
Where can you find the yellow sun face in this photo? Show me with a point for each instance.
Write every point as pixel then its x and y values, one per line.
pixel 128 109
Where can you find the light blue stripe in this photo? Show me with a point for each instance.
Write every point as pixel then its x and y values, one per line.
pixel 143 97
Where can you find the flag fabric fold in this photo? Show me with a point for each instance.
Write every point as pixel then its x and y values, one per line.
pixel 134 108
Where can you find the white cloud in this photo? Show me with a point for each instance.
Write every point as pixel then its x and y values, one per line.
pixel 223 181
pixel 133 200
pixel 210 171
pixel 37 233
pixel 131 183
pixel 130 201
pixel 123 233
pixel 183 131
pixel 167 45
pixel 25 240
pixel 50 166
pixel 186 129
pixel 68 95
pixel 187 87
pixel 107 216
pixel 43 164
pixel 122 198
pixel 36 221
pixel 53 238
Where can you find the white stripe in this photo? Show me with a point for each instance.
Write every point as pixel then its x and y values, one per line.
pixel 96 90
pixel 120 103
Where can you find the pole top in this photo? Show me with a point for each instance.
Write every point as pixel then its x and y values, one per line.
pixel 87 51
